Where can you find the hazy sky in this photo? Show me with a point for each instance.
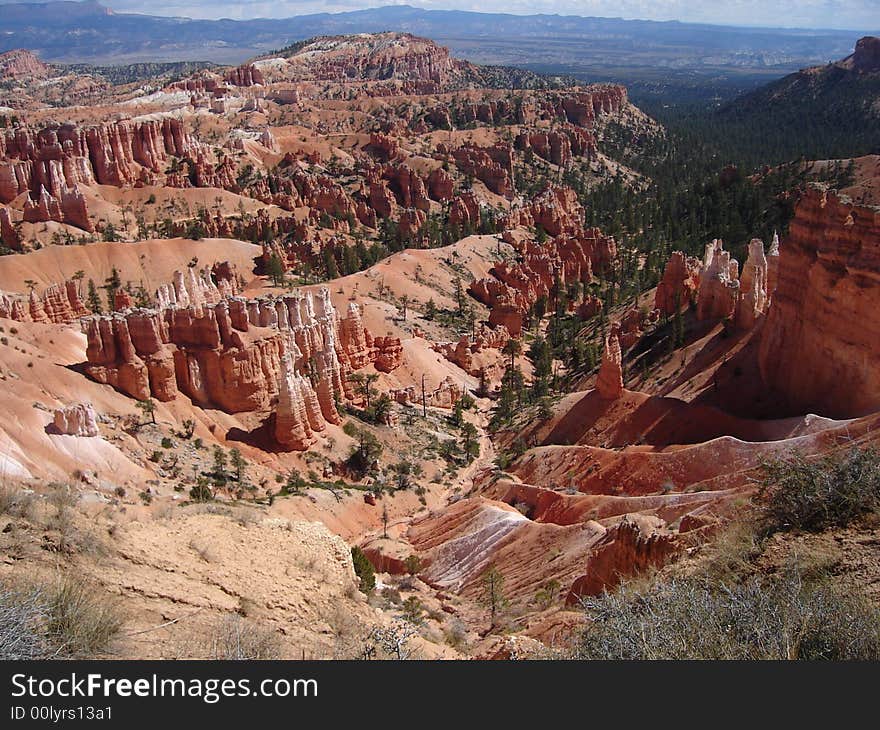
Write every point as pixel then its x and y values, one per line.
pixel 841 14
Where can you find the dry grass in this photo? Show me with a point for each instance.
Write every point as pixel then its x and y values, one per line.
pixel 786 616
pixel 82 619
pixel 16 502
pixel 22 618
pixel 237 638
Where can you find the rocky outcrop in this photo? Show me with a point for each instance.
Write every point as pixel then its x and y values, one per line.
pixel 570 257
pixel 464 211
pixel 298 414
pixel 445 395
pixel 609 382
pixel 625 550
pixel 9 235
pixel 247 75
pixel 76 420
pixel 389 353
pixel 752 300
pixel 384 146
pixel 462 353
pixel 820 344
pixel 772 266
pixel 441 186
pixel 118 153
pixel 59 304
pixel 239 355
pixel 493 166
pixel 866 58
pixel 558 146
pixel 21 64
pixel 556 210
pixel 70 209
pixel 679 285
pixel 719 283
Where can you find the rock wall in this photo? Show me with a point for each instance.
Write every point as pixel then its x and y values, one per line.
pixel 117 153
pixel 820 345
pixel 292 354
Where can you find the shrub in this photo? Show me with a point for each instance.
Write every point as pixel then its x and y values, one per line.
pixel 814 494
pixel 81 620
pixel 22 617
pixel 363 568
pixel 782 617
pixel 14 501
pixel 237 638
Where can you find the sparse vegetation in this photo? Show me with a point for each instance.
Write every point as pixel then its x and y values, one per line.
pixel 814 494
pixel 778 617
pixel 81 618
pixel 238 638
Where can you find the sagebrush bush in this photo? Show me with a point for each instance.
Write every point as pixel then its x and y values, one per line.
pixel 81 619
pixel 782 617
pixel 815 494
pixel 237 638
pixel 15 501
pixel 22 622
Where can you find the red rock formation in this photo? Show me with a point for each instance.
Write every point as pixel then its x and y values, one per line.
pixel 411 221
pixel 44 208
pixel 462 352
pixel 590 307
pixel 9 236
pixel 76 420
pixel 21 64
pixel 491 165
pixel 565 259
pixel 382 200
pixel 464 211
pixel 609 382
pixel 820 343
pixel 13 307
pixel 408 187
pixel 59 304
pixel 556 209
pixel 558 146
pixel 772 266
pixel 384 146
pixel 719 285
pixel 295 414
pixel 626 550
pixel 679 285
pixel 445 395
pixel 238 355
pixel 389 353
pixel 440 185
pixel 112 358
pixel 752 300
pixel 119 153
pixel 246 75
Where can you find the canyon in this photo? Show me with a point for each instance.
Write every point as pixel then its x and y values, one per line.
pixel 349 294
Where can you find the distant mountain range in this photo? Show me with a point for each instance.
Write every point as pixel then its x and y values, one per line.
pixel 88 32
